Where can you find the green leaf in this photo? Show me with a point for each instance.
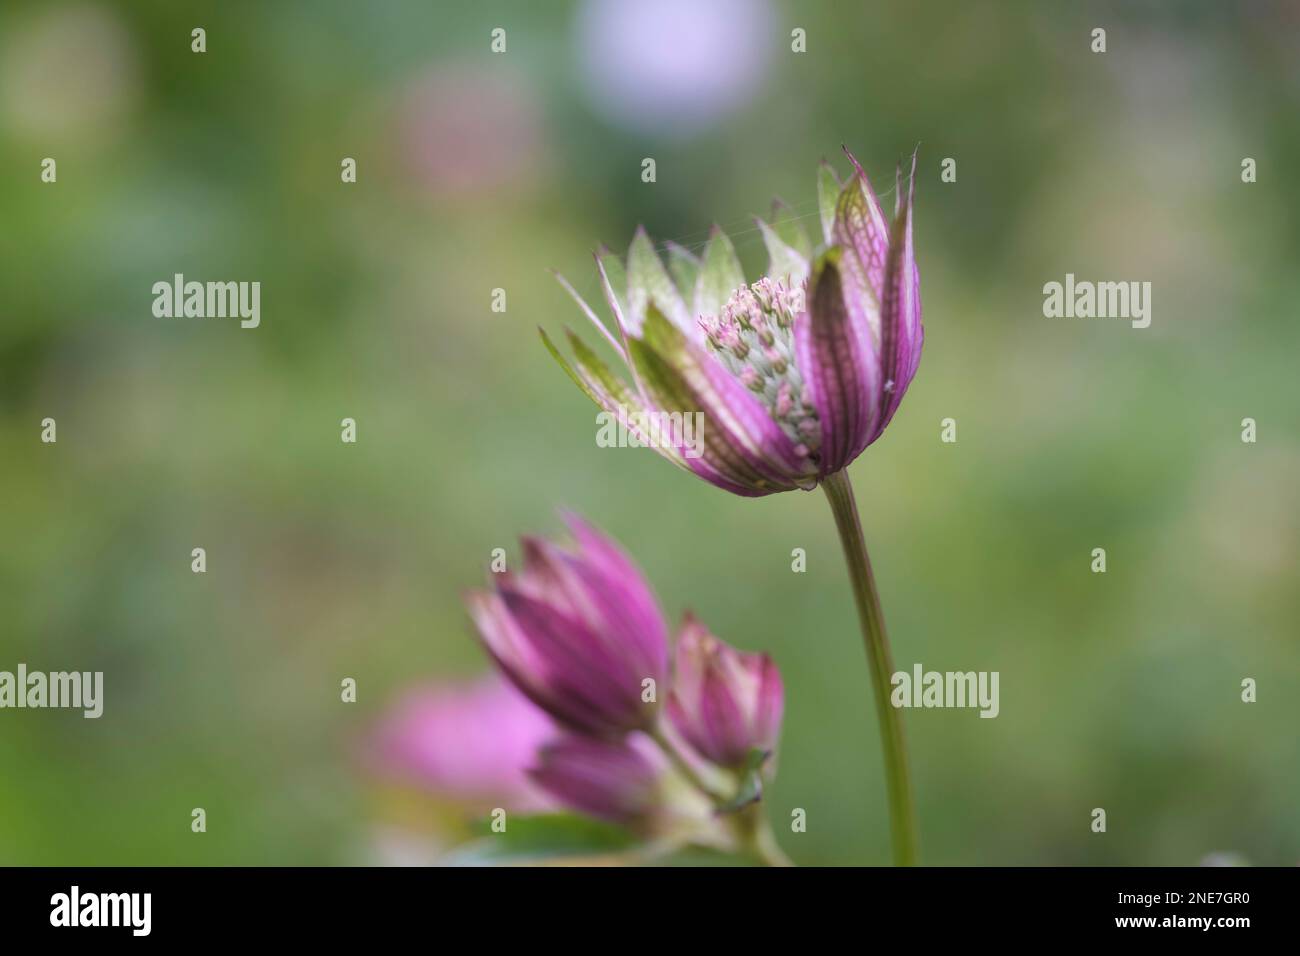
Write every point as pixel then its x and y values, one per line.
pixel 537 839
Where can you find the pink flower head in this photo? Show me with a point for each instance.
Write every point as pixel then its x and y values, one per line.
pixel 725 702
pixel 795 374
pixel 578 632
pixel 471 742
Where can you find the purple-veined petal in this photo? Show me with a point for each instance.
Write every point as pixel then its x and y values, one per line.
pixel 840 367
pixel 861 227
pixel 740 438
pixel 901 330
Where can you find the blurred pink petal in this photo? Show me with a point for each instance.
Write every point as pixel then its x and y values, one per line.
pixel 471 742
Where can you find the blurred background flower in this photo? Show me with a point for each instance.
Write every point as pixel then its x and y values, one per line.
pixel 68 73
pixel 673 67
pixel 470 129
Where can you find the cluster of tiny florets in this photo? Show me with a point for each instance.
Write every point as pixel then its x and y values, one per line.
pixel 753 337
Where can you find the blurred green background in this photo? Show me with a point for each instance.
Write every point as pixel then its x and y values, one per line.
pixel 480 171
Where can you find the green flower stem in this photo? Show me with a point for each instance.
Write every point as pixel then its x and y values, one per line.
pixel 749 825
pixel 902 813
pixel 757 837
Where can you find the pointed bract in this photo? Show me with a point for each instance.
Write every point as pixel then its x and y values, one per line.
pixel 720 275
pixel 784 261
pixel 900 310
pixel 648 283
pixel 684 267
pixel 789 228
pixel 828 194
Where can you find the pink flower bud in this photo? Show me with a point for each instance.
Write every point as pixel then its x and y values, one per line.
pixel 725 702
pixel 578 632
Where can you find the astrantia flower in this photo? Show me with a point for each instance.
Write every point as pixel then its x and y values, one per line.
pixel 725 702
pixel 793 375
pixel 579 632
pixel 796 373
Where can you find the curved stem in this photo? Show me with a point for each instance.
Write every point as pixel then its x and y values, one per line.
pixel 749 825
pixel 902 814
pixel 761 840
